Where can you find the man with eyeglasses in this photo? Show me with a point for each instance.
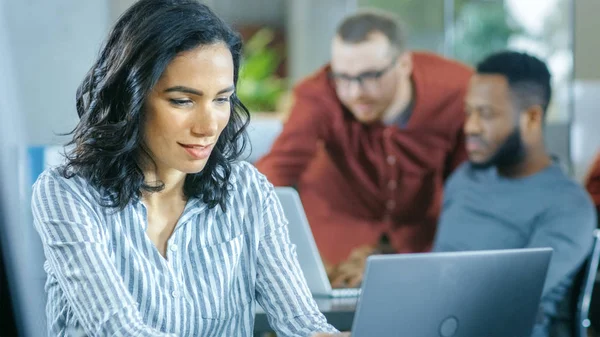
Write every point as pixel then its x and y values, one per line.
pixel 369 143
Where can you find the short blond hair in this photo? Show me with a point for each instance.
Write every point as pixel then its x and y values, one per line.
pixel 357 27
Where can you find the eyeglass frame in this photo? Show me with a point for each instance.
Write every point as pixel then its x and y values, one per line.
pixel 360 78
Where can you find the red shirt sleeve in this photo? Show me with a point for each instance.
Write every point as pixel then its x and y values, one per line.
pixel 308 124
pixel 592 183
pixel 458 155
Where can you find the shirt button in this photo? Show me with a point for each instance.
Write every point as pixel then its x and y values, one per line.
pixel 391 160
pixel 392 184
pixel 390 204
pixel 174 248
pixel 175 294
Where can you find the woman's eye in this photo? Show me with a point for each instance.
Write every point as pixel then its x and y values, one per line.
pixel 222 100
pixel 181 102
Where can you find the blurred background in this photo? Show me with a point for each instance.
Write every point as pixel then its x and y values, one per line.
pixel 51 44
pixel 46 47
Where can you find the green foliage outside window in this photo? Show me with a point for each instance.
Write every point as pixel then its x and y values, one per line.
pixel 259 86
pixel 482 29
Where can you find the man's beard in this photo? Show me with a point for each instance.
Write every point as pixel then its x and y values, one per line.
pixel 510 153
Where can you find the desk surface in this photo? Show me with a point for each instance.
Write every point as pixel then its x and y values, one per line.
pixel 338 311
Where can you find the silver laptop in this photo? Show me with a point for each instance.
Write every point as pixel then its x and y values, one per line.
pixel 466 294
pixel 308 254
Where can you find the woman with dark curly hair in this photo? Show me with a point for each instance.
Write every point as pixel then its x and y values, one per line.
pixel 153 228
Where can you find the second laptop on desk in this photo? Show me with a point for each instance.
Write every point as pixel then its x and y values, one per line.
pixel 492 293
pixel 308 254
pixel 455 294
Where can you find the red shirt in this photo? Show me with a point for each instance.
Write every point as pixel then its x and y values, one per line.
pixel 359 181
pixel 592 183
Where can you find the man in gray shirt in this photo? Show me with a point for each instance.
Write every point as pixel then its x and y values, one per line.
pixel 510 194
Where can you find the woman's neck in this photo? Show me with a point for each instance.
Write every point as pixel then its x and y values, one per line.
pixel 172 191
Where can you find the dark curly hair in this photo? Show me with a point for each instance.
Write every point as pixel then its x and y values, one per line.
pixel 108 140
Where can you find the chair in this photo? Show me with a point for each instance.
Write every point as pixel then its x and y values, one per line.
pixel 587 279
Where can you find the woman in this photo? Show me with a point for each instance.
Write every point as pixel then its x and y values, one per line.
pixel 152 228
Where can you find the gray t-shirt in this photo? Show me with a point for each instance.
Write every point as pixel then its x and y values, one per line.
pixel 483 210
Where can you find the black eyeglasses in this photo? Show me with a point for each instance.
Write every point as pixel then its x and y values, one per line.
pixel 366 80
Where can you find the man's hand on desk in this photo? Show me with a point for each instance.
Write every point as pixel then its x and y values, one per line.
pixel 330 269
pixel 341 334
pixel 349 274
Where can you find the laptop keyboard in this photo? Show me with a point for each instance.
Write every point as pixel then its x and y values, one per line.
pixel 345 292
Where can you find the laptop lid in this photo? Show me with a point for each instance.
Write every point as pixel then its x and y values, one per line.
pixel 459 294
pixel 301 236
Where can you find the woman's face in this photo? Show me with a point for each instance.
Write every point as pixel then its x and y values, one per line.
pixel 188 109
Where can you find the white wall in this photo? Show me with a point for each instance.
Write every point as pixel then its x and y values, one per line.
pixel 311 26
pixel 53 44
pixel 244 12
pixel 17 235
pixel 46 47
pixel 585 128
pixel 585 132
pixel 238 12
pixel 117 7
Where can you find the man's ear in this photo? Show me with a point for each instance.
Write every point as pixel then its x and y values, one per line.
pixel 405 63
pixel 533 118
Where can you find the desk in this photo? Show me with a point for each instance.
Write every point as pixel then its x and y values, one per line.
pixel 338 311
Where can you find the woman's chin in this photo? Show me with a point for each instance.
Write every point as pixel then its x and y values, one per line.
pixel 194 167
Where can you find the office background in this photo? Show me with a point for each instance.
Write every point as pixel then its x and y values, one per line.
pixel 50 45
pixel 46 47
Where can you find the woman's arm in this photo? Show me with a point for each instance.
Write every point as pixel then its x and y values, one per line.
pixel 75 244
pixel 280 286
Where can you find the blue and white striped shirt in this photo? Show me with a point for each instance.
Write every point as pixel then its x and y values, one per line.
pixel 106 278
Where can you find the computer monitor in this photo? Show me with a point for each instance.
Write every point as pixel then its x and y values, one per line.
pixel 463 294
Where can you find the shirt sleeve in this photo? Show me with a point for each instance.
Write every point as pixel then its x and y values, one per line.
pixel 75 245
pixel 458 155
pixel 281 289
pixel 592 183
pixel 568 230
pixel 442 242
pixel 297 143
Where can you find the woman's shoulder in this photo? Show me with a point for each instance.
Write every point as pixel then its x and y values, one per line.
pixel 245 175
pixel 247 181
pixel 62 180
pixel 59 175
